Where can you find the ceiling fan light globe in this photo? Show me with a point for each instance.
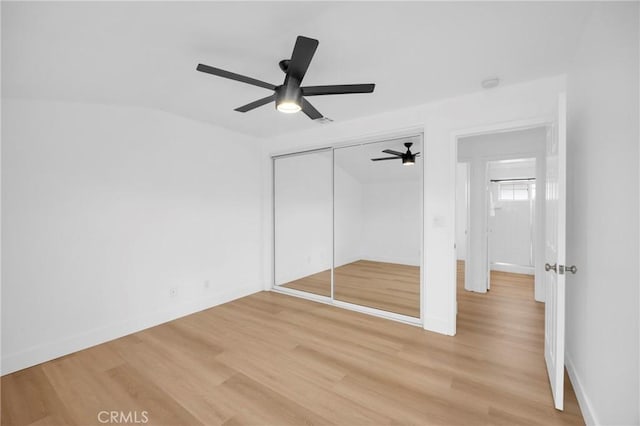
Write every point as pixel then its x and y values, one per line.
pixel 409 161
pixel 288 107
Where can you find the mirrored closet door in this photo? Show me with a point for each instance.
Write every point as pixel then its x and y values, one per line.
pixel 378 225
pixel 303 222
pixel 348 226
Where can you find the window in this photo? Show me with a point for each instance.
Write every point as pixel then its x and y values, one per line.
pixel 510 191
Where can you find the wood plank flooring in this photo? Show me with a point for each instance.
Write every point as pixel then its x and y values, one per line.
pixel 388 286
pixel 273 359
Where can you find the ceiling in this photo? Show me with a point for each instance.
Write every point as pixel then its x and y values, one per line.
pixel 145 53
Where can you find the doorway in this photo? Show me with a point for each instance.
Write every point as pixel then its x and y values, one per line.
pixel 511 215
pixel 544 140
pixel 497 229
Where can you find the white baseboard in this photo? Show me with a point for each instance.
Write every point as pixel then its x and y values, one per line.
pixel 438 325
pixel 46 352
pixel 515 269
pixel 588 414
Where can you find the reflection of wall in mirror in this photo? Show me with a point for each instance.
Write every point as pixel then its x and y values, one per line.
pixel 392 222
pixel 378 220
pixel 303 223
pixel 348 217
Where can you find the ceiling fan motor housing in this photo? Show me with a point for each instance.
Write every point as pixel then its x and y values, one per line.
pixel 284 65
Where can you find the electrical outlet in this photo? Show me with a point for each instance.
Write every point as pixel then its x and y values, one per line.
pixel 173 291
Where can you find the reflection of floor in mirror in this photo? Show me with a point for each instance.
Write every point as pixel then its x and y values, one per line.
pixel 388 286
pixel 319 283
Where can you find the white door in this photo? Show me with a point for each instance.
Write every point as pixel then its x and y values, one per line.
pixel 555 197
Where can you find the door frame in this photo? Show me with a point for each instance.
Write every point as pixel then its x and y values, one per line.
pixel 546 120
pixel 467 216
pixel 345 143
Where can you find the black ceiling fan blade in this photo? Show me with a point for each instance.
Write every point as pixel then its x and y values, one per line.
pixel 385 158
pixel 417 154
pixel 233 76
pixel 310 110
pixel 392 152
pixel 256 104
pixel 301 57
pixel 338 89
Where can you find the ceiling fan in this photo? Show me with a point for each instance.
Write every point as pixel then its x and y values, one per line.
pixel 408 158
pixel 290 96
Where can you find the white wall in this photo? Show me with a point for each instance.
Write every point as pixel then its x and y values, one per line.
pixel 479 151
pixel 303 215
pixel 391 222
pixel 461 210
pixel 441 123
pixel 107 208
pixel 602 218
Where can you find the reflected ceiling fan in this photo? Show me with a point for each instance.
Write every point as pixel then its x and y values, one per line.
pixel 290 96
pixel 408 158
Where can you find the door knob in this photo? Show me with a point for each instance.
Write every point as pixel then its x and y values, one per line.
pixel 571 269
pixel 548 267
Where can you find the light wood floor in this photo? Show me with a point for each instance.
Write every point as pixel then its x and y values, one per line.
pixel 388 286
pixel 273 359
